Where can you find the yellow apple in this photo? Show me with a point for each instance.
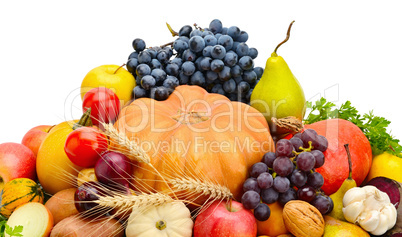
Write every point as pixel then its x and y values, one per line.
pixel 386 165
pixel 114 77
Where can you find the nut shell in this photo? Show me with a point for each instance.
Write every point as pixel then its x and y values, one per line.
pixel 302 219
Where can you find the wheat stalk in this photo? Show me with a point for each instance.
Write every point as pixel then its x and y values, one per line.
pixel 133 152
pixel 194 185
pixel 131 149
pixel 206 188
pixel 122 201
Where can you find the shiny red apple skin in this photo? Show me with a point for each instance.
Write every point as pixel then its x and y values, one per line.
pixel 216 220
pixel 16 161
pixel 34 137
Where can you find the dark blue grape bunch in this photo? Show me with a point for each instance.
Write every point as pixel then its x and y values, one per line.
pixel 216 58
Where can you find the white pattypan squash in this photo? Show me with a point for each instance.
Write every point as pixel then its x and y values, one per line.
pixel 167 220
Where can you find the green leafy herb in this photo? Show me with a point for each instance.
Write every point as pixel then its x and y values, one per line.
pixel 4 228
pixel 374 127
pixel 16 231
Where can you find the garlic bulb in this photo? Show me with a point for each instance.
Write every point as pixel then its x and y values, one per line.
pixel 370 208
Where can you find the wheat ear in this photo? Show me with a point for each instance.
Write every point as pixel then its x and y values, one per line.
pixel 133 201
pixel 204 187
pixel 133 152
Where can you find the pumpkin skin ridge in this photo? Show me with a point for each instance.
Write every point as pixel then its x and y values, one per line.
pixel 189 165
pixel 10 194
pixel 143 224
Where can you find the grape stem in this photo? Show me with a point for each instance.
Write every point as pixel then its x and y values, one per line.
pixel 167 44
pixel 274 174
pixel 287 38
pixel 197 27
pixel 174 33
pixel 308 149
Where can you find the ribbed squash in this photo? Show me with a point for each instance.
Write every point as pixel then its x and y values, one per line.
pixel 169 219
pixel 17 192
pixel 196 134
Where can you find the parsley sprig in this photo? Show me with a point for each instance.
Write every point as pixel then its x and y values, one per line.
pixel 374 127
pixel 4 228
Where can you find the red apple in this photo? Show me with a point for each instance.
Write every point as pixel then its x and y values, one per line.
pixel 222 220
pixel 16 161
pixel 34 137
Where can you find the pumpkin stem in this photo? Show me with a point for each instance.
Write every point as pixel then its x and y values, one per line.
pixel 160 225
pixel 190 117
pixel 85 120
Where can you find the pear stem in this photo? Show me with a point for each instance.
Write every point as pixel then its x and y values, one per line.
pixel 349 160
pixel 287 37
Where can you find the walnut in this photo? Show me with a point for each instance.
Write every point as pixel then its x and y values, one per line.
pixel 285 125
pixel 302 219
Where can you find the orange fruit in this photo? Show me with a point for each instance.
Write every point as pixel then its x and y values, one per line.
pixel 54 169
pixel 386 165
pixel 274 226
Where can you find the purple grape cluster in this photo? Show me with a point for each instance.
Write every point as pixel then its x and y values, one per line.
pixel 289 174
pixel 216 58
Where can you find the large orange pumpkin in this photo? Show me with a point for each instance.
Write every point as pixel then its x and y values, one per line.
pixel 196 134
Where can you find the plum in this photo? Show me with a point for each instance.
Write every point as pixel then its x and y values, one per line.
pixel 114 170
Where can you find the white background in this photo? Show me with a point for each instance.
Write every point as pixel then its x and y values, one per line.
pixel 343 50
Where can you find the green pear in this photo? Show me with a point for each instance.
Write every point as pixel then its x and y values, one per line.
pixel 278 94
pixel 337 197
pixel 335 228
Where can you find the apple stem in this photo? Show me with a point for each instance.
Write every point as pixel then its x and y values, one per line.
pixel 119 68
pixel 51 128
pixel 349 160
pixel 230 205
pixel 287 38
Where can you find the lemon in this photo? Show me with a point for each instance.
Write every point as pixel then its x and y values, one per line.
pixel 386 165
pixel 114 77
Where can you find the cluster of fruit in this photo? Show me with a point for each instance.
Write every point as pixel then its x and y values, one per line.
pixel 288 174
pixel 78 162
pixel 216 58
